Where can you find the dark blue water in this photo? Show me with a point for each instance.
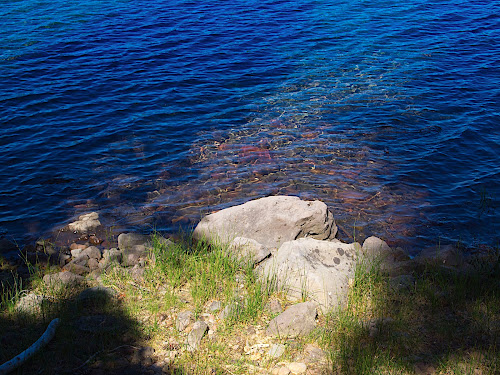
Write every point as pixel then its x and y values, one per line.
pixel 154 113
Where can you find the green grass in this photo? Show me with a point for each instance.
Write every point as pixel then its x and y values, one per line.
pixel 448 321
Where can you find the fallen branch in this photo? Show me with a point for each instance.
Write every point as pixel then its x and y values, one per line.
pixel 28 353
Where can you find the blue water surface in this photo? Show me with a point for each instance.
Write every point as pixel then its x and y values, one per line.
pixel 154 113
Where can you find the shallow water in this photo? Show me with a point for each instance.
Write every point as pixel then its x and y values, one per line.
pixel 155 113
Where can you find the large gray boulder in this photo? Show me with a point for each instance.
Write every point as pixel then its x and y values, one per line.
pixel 270 221
pixel 317 270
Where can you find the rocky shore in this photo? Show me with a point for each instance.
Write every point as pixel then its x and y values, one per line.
pixel 288 241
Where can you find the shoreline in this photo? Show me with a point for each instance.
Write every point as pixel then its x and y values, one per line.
pixel 191 297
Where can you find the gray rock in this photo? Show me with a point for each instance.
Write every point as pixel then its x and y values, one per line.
pixel 112 254
pixel 30 303
pixel 92 252
pixel 393 261
pixel 276 350
pixel 62 278
pixel 76 269
pixel 183 320
pixel 76 252
pixel 374 247
pixel 270 221
pixel 133 255
pixel 137 272
pixel 317 270
pixel 297 320
pixel 227 311
pixel 63 258
pixel 246 249
pixel 275 307
pixel 97 292
pixel 447 255
pixel 46 247
pixel 196 334
pixel 93 264
pixel 215 306
pixel 128 241
pixel 314 354
pixel 297 367
pixel 80 260
pixel 85 223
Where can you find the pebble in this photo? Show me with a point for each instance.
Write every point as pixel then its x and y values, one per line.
pixel 276 350
pixel 183 320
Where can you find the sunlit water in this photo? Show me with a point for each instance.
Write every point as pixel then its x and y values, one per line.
pixel 154 113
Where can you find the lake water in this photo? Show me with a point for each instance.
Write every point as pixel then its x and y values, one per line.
pixel 154 113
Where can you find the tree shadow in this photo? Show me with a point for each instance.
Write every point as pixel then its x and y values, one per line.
pixel 96 334
pixel 435 319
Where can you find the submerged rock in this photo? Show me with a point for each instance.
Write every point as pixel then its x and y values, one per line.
pixel 85 223
pixel 128 241
pixel 270 221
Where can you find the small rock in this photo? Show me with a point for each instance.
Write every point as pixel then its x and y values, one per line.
pixel 93 264
pixel 92 252
pixel 96 292
pixel 275 307
pixel 75 246
pixel 446 255
pixel 299 319
pixel 314 354
pixel 183 320
pixel 76 269
pixel 227 311
pixel 64 278
pixel 283 370
pixel 137 273
pixel 132 256
pixel 94 240
pixel 297 367
pixel 81 260
pixel 215 306
pixel 76 252
pixel 112 254
pixel 127 241
pixel 85 223
pixel 196 334
pixel 276 350
pixel 63 258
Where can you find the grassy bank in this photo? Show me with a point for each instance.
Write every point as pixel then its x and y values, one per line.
pixel 438 320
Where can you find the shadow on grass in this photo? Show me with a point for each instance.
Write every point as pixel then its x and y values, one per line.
pixel 96 334
pixel 439 320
